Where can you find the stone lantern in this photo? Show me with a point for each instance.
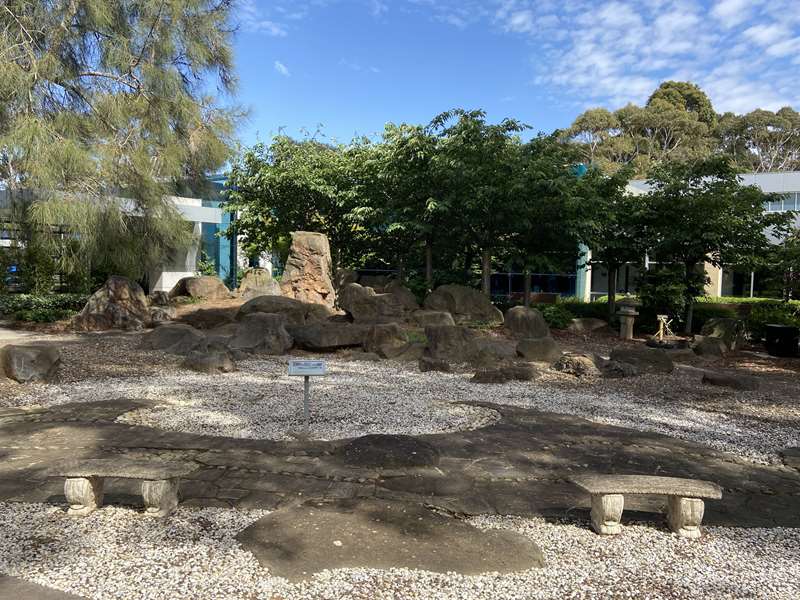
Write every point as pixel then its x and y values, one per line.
pixel 627 316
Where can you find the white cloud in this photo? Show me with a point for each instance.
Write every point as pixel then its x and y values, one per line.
pixel 282 69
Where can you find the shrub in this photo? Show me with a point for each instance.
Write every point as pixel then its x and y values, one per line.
pixel 771 314
pixel 41 309
pixel 587 310
pixel 557 315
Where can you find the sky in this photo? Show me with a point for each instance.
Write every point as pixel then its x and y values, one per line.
pixel 344 68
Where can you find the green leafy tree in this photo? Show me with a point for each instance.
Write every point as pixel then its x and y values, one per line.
pixel 762 141
pixel 614 231
pixel 104 113
pixel 699 212
pixel 301 186
pixel 477 161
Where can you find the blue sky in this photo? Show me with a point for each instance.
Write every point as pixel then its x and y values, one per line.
pixel 350 66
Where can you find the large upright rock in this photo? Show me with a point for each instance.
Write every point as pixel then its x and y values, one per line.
pixel 258 282
pixel 464 303
pixel 307 276
pixel 119 304
pixel 526 323
pixel 296 312
pixel 206 287
pixel 29 363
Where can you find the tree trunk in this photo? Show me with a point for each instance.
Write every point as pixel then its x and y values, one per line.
pixel 526 274
pixel 486 272
pixel 429 265
pixel 612 292
pixel 687 329
pixel 401 275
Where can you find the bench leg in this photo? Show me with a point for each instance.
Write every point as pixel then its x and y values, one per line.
pixel 84 494
pixel 160 497
pixel 606 513
pixel 684 516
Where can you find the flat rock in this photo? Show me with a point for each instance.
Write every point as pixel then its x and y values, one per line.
pixel 14 588
pixel 791 457
pixel 122 467
pixel 174 338
pixel 296 311
pixel 736 382
pixel 423 318
pixel 390 452
pixel 646 360
pixel 375 534
pixel 325 337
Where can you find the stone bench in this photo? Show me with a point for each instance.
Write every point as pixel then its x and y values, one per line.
pixel 684 508
pixel 83 487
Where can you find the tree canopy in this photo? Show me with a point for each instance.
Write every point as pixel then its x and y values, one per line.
pixel 105 111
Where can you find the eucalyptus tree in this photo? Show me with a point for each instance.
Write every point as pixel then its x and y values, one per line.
pixel 104 109
pixel 699 212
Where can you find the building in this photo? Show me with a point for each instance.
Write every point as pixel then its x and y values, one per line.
pixel 208 221
pixel 593 281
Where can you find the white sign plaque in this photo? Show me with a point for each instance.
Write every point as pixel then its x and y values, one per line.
pixel 306 368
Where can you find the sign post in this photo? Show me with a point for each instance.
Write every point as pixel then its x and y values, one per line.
pixel 307 369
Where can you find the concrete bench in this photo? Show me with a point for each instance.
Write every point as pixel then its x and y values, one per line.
pixel 84 482
pixel 685 505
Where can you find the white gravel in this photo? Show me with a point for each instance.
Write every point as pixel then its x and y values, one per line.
pixel 261 401
pixel 117 553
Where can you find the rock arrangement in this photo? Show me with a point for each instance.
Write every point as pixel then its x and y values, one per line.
pixel 119 304
pixel 464 304
pixel 258 282
pixel 206 287
pixel 26 364
pixel 307 276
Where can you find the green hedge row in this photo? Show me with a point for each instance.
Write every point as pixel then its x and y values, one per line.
pixel 41 309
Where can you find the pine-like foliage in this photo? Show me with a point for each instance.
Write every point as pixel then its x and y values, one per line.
pixel 104 110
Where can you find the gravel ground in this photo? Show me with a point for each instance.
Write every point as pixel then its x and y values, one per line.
pixel 260 401
pixel 117 553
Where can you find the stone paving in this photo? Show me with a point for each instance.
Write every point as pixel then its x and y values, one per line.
pixel 518 466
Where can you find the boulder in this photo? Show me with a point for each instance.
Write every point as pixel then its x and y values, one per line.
pixel 295 311
pixel 119 304
pixel 426 364
pixel 489 352
pixel 525 323
pixel 579 365
pixel 646 360
pixel 730 331
pixel 206 287
pixel 709 346
pixel 387 341
pixel 258 282
pixel 736 382
pixel 363 305
pixel 212 362
pixel 307 276
pixel 520 372
pixel 543 349
pixel 262 333
pixel 586 325
pixel 402 295
pixel 326 337
pixel 209 318
pixel 159 299
pixel 423 318
pixel 451 342
pixel 613 369
pixel 162 314
pixel 344 276
pixel 464 303
pixel 174 338
pixel 29 363
pixel 412 352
